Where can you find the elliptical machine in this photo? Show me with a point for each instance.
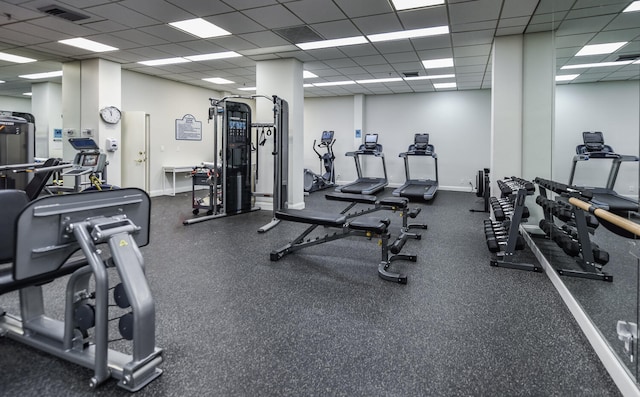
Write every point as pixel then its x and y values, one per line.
pixel 313 181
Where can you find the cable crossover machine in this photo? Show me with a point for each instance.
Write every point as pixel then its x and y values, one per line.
pixel 229 178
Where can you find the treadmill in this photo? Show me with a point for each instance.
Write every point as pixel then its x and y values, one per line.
pixel 418 189
pixel 366 185
pixel 604 197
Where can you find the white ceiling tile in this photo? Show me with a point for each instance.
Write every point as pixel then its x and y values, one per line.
pixel 586 25
pixel 472 38
pixel 595 11
pixel 629 20
pixel 435 54
pixel 370 60
pixel 383 23
pixel 470 51
pixel 247 4
pixel 158 9
pixel 511 22
pixel 553 6
pixel 314 11
pixel 336 29
pixel 341 63
pixel 424 17
pixel 360 50
pixel 264 39
pixel 510 31
pixel 430 43
pixel 389 47
pixel 201 8
pixel 474 11
pixel 402 57
pixel 386 68
pixel 518 8
pixel 472 26
pixel 36 31
pixel 105 26
pixel 359 8
pixel 122 15
pixel 275 16
pixel 145 37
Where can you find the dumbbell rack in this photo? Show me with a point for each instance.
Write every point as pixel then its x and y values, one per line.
pixel 503 232
pixel 573 235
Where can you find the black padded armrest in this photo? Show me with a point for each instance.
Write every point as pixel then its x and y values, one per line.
pixel 312 217
pixel 351 197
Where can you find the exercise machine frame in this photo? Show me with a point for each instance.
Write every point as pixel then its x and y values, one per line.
pixel 366 185
pixel 418 189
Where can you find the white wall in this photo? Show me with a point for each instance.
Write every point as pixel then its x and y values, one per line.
pixel 610 107
pixel 458 123
pixel 165 101
pixel 15 104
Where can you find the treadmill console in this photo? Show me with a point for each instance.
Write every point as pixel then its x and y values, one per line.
pixel 421 141
pixel 593 143
pixel 370 141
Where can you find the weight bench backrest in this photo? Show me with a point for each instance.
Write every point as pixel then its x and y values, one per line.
pixel 40 179
pixel 11 203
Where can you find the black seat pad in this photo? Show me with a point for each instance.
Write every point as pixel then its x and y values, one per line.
pixel 400 202
pixel 312 217
pixel 351 197
pixel 369 224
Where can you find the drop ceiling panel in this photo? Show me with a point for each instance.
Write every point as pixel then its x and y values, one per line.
pixel 122 15
pixel 473 26
pixel 474 11
pixel 201 8
pixel 247 4
pixel 629 20
pixel 586 25
pixel 360 8
pixel 552 6
pixel 314 11
pixel 429 43
pixel 159 10
pixel 390 47
pixel 336 29
pixel 272 17
pixel 518 8
pixel 378 24
pixel 435 54
pixel 30 29
pixel 472 38
pixel 105 26
pixel 264 39
pixel 146 36
pixel 60 25
pixel 233 43
pixel 470 51
pixel 594 11
pixel 360 50
pixel 424 18
pixel 370 60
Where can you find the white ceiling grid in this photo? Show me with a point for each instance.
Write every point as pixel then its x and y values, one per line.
pixel 138 28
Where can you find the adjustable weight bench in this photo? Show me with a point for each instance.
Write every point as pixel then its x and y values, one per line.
pixel 68 235
pixel 362 226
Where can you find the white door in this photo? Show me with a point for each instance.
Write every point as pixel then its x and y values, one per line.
pixel 135 159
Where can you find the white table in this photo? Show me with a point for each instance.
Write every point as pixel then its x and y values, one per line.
pixel 173 169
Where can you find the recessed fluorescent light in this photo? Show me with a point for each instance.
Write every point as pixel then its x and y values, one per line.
pixel 2 81
pixel 165 61
pixel 199 27
pixel 438 63
pixel 444 85
pixel 247 88
pixel 330 83
pixel 313 45
pixel 595 65
pixel 566 77
pixel 308 85
pixel 432 77
pixel 88 44
pixel 215 55
pixel 385 80
pixel 635 6
pixel 408 4
pixel 14 58
pixel 218 80
pixel 308 75
pixel 408 34
pixel 598 49
pixel 27 93
pixel 45 75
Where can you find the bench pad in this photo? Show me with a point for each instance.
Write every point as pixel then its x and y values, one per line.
pixel 312 217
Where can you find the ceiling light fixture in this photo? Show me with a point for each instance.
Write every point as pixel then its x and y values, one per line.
pixel 314 45
pixel 385 80
pixel 200 28
pixel 45 75
pixel 444 85
pixel 2 81
pixel 165 61
pixel 309 85
pixel 247 88
pixel 595 65
pixel 438 63
pixel 14 58
pixel 215 55
pixel 218 80
pixel 599 49
pixel 432 77
pixel 332 83
pixel 635 6
pixel 566 77
pixel 408 34
pixel 87 44
pixel 308 75
pixel 400 5
pixel 27 93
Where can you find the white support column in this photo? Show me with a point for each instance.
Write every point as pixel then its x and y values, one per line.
pixel 358 120
pixel 46 107
pixel 506 108
pixel 281 77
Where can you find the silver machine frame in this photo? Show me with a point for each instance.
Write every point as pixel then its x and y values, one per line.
pixel 84 235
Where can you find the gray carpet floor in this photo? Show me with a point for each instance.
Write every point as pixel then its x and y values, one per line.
pixel 320 322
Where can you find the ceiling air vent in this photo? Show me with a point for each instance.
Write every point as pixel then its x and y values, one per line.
pixel 410 74
pixel 630 57
pixel 298 34
pixel 63 13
